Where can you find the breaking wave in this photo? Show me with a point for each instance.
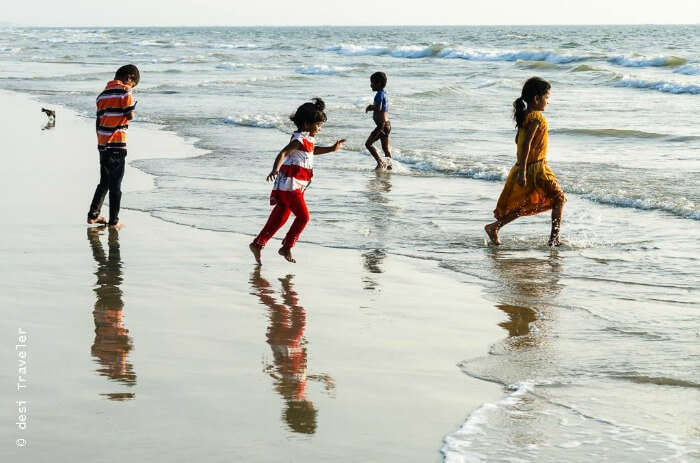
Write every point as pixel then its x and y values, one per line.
pixel 409 51
pixel 586 68
pixel 527 55
pixel 440 50
pixel 263 121
pixel 428 162
pixel 689 70
pixel 636 61
pixel 679 206
pixel 677 88
pixel 322 69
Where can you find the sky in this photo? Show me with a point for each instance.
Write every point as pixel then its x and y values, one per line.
pixel 349 12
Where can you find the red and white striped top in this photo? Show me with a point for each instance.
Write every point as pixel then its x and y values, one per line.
pixel 297 168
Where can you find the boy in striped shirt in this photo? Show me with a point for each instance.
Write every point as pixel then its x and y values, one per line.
pixel 115 108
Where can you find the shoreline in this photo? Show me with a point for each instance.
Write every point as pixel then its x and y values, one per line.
pixel 395 390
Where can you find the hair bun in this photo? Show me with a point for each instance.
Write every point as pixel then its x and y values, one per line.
pixel 320 105
pixel 308 113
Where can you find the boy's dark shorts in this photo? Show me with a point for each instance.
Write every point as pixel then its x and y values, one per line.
pixel 381 131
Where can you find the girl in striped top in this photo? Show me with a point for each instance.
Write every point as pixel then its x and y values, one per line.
pixel 292 172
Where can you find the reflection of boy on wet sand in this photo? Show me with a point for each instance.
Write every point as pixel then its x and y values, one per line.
pixel 285 335
pixel 112 342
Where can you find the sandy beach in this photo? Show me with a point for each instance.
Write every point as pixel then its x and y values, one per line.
pixel 401 334
pixel 162 342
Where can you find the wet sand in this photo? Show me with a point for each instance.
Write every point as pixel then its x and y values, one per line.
pixel 161 342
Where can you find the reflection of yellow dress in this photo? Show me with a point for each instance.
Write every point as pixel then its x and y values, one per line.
pixel 541 187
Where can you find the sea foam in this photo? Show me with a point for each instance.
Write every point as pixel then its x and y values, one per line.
pixel 321 69
pixel 263 121
pixel 526 426
pixel 409 51
pixel 229 66
pixel 689 70
pixel 525 55
pixel 417 51
pixel 679 206
pixel 427 161
pixel 232 46
pixel 457 446
pixel 660 85
pixel 357 50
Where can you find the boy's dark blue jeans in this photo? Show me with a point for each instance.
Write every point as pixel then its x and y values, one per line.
pixel 111 174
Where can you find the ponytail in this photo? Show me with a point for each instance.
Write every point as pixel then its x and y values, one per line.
pixel 519 110
pixel 533 87
pixel 319 104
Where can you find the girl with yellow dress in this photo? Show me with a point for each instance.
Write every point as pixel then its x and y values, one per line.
pixel 531 186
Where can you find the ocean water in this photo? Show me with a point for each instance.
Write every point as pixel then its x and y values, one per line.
pixel 600 356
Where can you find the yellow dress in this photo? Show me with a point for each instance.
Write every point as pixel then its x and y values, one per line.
pixel 541 187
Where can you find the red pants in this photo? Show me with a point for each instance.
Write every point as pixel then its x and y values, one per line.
pixel 287 202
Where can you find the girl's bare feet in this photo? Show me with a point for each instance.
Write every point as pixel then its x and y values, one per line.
pixel 287 254
pixel 256 252
pixel 98 220
pixel 492 230
pixel 116 226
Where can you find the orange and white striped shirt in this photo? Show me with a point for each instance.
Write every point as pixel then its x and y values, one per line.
pixel 113 106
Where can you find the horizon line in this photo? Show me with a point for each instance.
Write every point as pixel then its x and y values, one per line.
pixel 9 23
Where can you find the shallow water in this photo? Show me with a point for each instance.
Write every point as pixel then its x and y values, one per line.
pixel 600 351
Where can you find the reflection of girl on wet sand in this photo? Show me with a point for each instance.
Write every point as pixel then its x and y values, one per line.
pixel 526 288
pixel 285 335
pixel 112 342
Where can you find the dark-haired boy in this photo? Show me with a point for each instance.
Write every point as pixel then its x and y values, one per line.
pixel 380 114
pixel 115 108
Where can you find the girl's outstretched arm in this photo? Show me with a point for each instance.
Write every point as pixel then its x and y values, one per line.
pixel 530 131
pixel 293 145
pixel 329 149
